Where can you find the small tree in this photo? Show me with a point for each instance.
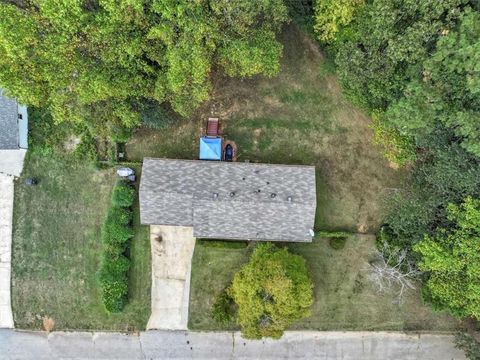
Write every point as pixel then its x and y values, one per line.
pixel 391 271
pixel 272 291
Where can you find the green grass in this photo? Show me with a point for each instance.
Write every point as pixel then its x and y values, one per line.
pixel 345 299
pixel 57 248
pixel 212 270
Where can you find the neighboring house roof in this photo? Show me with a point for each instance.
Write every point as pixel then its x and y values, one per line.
pixel 8 123
pixel 230 200
pixel 13 130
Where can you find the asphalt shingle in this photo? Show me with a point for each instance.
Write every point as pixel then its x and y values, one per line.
pixel 230 200
pixel 8 123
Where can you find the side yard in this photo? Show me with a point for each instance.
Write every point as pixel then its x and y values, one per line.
pixel 57 248
pixel 345 299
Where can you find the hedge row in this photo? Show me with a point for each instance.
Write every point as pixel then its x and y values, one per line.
pixel 116 232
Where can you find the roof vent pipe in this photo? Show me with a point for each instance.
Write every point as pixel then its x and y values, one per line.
pixel 232 194
pixel 289 198
pixel 215 195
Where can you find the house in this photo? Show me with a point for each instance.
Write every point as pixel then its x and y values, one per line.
pixel 230 200
pixel 13 135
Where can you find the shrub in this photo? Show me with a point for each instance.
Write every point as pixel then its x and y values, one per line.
pixel 337 243
pixel 271 291
pixel 226 244
pixel 113 268
pixel 116 228
pixel 333 234
pixel 469 345
pixel 123 194
pixel 116 231
pixel 114 294
pixel 223 310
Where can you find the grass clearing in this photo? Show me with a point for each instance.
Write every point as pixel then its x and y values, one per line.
pixel 57 249
pixel 345 299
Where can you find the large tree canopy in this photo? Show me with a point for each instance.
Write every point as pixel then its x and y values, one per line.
pixel 96 58
pixel 452 259
pixel 387 44
pixel 449 90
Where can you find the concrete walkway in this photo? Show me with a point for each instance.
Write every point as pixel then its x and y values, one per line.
pixel 166 345
pixel 6 217
pixel 172 251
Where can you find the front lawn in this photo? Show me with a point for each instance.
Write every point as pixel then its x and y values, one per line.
pixel 57 249
pixel 345 299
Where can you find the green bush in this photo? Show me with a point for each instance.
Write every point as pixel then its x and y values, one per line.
pixel 116 228
pixel 114 294
pixel 123 194
pixel 333 234
pixel 226 244
pixel 337 243
pixel 469 345
pixel 113 268
pixel 116 231
pixel 223 310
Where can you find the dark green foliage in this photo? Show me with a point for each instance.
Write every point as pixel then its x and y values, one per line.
pixel 224 309
pixel 388 44
pixel 226 244
pixel 445 173
pixel 123 194
pixel 116 232
pixel 469 345
pixel 155 116
pixel 333 234
pixel 337 243
pixel 86 149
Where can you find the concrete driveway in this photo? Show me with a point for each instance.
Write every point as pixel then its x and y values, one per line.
pixel 172 251
pixel 164 345
pixel 6 217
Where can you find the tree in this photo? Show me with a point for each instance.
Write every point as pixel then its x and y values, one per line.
pixel 271 291
pixel 392 271
pixel 331 15
pixel 452 259
pixel 449 90
pixel 92 61
pixel 388 43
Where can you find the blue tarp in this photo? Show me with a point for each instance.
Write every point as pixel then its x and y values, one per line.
pixel 210 148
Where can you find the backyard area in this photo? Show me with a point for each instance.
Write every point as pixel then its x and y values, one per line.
pixel 57 249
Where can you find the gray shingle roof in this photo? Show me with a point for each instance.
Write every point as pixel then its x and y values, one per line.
pixel 8 122
pixel 199 194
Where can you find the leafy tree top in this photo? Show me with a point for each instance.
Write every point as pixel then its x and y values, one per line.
pixel 272 291
pixel 70 55
pixel 452 260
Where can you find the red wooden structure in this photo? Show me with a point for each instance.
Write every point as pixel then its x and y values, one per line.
pixel 213 127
